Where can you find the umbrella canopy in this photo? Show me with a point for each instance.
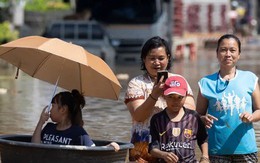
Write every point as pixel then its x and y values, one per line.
pixel 49 59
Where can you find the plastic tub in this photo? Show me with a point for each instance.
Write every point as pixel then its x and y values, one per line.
pixel 18 148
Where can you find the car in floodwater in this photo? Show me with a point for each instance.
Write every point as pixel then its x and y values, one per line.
pixel 88 34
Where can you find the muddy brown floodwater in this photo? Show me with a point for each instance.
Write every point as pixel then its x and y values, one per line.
pixel 22 99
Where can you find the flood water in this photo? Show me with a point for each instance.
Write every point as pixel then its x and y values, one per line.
pixel 22 103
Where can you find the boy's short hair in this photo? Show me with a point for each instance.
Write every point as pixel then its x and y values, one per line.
pixel 175 85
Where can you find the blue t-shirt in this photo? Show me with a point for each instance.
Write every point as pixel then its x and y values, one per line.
pixel 75 135
pixel 226 100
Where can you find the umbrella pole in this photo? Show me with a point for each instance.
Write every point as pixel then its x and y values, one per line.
pixel 53 94
pixel 55 88
pixel 17 73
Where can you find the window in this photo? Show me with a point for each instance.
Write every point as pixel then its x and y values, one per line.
pixel 83 31
pixel 55 31
pixel 97 32
pixel 69 30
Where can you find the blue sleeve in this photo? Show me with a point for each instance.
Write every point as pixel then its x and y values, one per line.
pixel 83 137
pixel 86 141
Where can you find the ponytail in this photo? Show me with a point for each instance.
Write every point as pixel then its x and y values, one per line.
pixel 79 100
pixel 75 102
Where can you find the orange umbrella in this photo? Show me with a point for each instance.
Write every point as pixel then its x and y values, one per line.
pixel 53 59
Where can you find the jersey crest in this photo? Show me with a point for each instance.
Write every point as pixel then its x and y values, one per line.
pixel 187 133
pixel 176 131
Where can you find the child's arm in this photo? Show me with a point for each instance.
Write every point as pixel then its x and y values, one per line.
pixel 36 137
pixel 166 156
pixel 204 153
pixel 202 138
pixel 115 146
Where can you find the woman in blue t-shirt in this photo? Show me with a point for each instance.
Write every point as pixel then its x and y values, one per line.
pixel 68 130
pixel 229 102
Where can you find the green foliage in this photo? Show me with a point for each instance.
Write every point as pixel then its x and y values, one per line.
pixel 46 5
pixel 4 1
pixel 7 34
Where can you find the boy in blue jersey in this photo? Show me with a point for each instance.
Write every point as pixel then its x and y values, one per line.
pixel 176 129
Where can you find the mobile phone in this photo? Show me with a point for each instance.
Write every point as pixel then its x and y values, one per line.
pixel 161 73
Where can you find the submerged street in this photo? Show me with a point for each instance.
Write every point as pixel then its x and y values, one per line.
pixel 22 99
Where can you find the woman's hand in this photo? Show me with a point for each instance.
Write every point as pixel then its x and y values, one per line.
pixel 246 117
pixel 208 120
pixel 158 89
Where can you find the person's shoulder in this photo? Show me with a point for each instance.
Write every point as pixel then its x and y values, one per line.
pixel 140 79
pixel 49 127
pixel 78 127
pixel 245 72
pixel 212 76
pixel 192 112
pixel 247 75
pixel 159 114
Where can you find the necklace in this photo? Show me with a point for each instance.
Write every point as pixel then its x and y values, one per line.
pixel 222 85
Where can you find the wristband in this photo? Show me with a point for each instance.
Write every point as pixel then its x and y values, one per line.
pixel 153 97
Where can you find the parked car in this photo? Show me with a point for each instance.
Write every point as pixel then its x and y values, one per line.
pixel 88 34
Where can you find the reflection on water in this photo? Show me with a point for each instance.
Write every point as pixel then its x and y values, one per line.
pixel 22 104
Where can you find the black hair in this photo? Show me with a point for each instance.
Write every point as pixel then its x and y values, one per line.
pixel 152 43
pixel 74 101
pixel 228 36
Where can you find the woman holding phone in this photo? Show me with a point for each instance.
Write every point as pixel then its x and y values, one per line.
pixel 143 95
